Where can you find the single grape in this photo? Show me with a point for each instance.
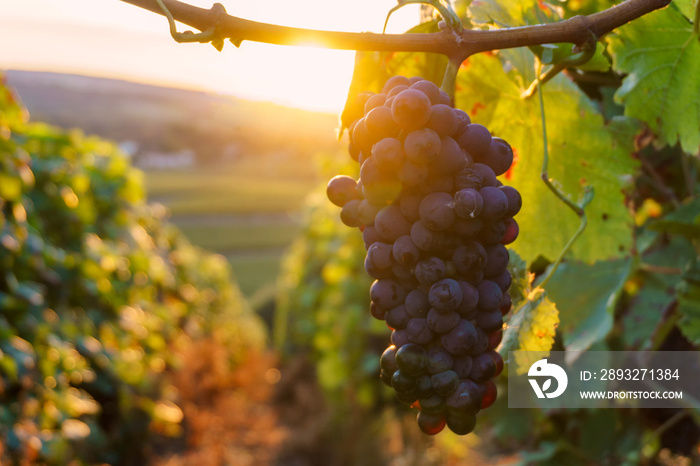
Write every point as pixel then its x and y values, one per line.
pixel 409 203
pixel 437 183
pixel 462 366
pixel 500 156
pixel 490 295
pixel 451 159
pixel 417 304
pixel 495 340
pixel 425 239
pixel 482 342
pixel 444 383
pixel 505 304
pixel 395 81
pixel 399 338
pixel 440 322
pixel 460 424
pixel 492 233
pixel 397 317
pixel 515 201
pixel 466 398
pixel 418 331
pixel 388 154
pixel 341 190
pixel 412 359
pixel 422 146
pixel 495 203
pixel 432 404
pixel 374 101
pixel 412 174
pixel 468 177
pixel 429 89
pixel 445 295
pixel 361 136
pixel 484 368
pixel 391 224
pixel 504 280
pixel 367 211
pixel 463 121
pixel 430 270
pixel 348 214
pixel 471 256
pixel 468 203
pixel 387 293
pixel 380 254
pixel 370 236
pixel 404 251
pixel 490 320
pixel 401 381
pixel 467 226
pixel 488 177
pixel 439 360
pixel 410 109
pixel 387 361
pixel 496 260
pixel 489 393
pixel 511 231
pixel 443 120
pixel 375 271
pixel 396 90
pixel 424 387
pixel 431 423
pixel 476 140
pixel 470 300
pixel 460 339
pixel 437 211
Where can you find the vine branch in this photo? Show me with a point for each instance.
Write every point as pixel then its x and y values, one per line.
pixel 576 30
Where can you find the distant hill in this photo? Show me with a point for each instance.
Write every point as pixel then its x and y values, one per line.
pixel 159 121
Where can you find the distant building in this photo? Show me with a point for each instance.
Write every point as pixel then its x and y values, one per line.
pixel 166 160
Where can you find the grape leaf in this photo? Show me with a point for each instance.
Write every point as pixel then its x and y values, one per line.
pixel 586 296
pixel 656 292
pixel 683 221
pixel 661 57
pixel 508 13
pixel 532 326
pixel 583 149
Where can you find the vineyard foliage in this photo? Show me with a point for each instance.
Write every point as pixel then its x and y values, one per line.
pixel 98 293
pixel 627 125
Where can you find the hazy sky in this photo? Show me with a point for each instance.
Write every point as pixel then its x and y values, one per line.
pixel 115 39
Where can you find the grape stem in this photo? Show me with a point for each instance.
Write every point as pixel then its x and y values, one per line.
pixel 579 208
pixel 448 80
pixel 448 42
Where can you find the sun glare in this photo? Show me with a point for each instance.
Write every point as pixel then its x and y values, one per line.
pixel 114 39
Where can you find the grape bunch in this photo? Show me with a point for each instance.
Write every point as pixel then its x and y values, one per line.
pixel 435 221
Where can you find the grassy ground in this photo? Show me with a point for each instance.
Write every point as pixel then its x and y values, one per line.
pixel 249 211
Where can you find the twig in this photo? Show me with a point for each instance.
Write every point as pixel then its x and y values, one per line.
pixel 575 30
pixel 659 183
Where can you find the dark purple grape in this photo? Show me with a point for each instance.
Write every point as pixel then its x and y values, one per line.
pixel 397 317
pixel 506 304
pixel 399 338
pixel 371 236
pixel 500 156
pixel 445 98
pixel 404 275
pixel 380 255
pixel 459 423
pixel 468 203
pixel 495 203
pixel 470 300
pixel 445 383
pixel 362 138
pixel 410 109
pixel 418 331
pixel 376 311
pixel 424 387
pixel 387 293
pixel 376 272
pixel 402 382
pixel 515 201
pixel 417 304
pixel 443 120
pixel 341 190
pixel 412 174
pixel 404 251
pixel 437 211
pixel 490 295
pixel 440 322
pixel 451 159
pixel 466 399
pixel 388 360
pixel 469 257
pixel 412 359
pixel 367 211
pixel 429 89
pixel 462 365
pixel 492 233
pixel 391 224
pixel 409 203
pixel 496 260
pixel 476 140
pixel 460 339
pixel 488 177
pixel 388 154
pixel 425 239
pixel 430 270
pixel 484 368
pixel 380 123
pixel 482 342
pixel 468 178
pixel 386 378
pixel 445 295
pixel 439 360
pixel 490 320
pixel 503 280
pixel 422 146
pixel 511 231
pixel 430 423
pixel 348 214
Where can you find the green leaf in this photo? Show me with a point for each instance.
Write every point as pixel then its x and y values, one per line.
pixel 598 62
pixel 661 57
pixel 586 296
pixel 657 291
pixel 583 150
pixel 508 13
pixel 533 326
pixel 683 221
pixel 689 305
pixel 10 187
pixel 687 7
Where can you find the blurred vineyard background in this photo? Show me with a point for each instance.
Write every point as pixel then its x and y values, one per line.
pixel 175 288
